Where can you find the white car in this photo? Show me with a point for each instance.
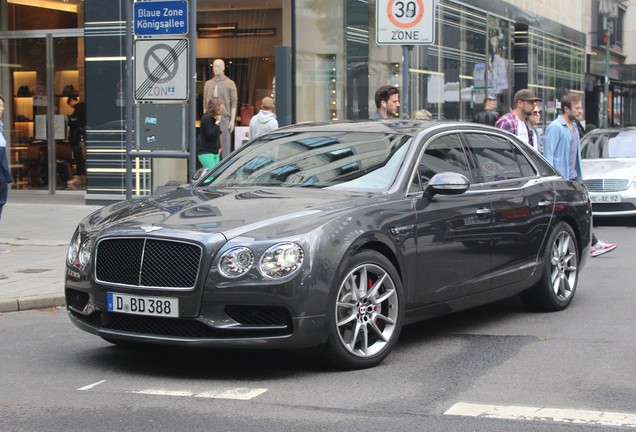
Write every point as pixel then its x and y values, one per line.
pixel 609 171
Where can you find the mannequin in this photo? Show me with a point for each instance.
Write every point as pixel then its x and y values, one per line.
pixel 225 88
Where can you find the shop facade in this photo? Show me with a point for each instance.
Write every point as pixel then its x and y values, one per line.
pixel 319 59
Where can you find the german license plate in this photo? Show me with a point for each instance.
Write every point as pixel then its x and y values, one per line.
pixel 143 305
pixel 606 198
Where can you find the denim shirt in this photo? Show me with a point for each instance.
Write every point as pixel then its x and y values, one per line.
pixel 556 149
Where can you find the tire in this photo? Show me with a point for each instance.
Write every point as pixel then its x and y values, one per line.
pixel 366 318
pixel 555 290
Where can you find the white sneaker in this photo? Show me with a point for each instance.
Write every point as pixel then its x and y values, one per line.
pixel 600 248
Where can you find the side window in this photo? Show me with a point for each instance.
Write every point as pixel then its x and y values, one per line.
pixel 443 154
pixel 497 158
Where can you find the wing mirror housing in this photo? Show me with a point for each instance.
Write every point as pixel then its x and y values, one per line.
pixel 447 183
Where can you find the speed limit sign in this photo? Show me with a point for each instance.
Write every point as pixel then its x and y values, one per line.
pixel 405 22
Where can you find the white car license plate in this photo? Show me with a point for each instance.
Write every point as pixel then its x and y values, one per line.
pixel 606 198
pixel 142 305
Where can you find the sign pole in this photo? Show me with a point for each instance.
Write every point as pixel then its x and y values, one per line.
pixel 192 135
pixel 406 79
pixel 129 96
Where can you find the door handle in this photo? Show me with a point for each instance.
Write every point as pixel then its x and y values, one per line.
pixel 483 211
pixel 544 203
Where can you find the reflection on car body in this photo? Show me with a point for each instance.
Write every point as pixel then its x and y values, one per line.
pixel 283 245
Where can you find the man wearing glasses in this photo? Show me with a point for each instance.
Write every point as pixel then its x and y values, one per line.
pixel 515 121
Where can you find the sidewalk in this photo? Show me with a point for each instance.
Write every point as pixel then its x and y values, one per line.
pixel 37 229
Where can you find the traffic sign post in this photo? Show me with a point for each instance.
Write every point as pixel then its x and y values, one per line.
pixel 406 23
pixel 161 69
pixel 161 18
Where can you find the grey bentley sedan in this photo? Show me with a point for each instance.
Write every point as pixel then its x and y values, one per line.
pixel 332 237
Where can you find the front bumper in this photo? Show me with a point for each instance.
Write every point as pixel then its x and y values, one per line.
pixel 219 326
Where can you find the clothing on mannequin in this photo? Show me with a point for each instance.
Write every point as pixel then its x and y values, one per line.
pixel 223 87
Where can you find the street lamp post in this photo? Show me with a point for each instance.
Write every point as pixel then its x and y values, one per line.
pixel 607 72
pixel 606 10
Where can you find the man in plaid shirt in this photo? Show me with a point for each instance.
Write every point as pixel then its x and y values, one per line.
pixel 515 121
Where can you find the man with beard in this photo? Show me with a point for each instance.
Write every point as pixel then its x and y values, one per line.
pixel 516 120
pixel 562 148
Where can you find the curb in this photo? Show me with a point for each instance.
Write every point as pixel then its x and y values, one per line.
pixel 32 302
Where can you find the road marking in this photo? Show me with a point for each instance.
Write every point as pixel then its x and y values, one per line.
pixel 601 418
pixel 237 393
pixel 90 386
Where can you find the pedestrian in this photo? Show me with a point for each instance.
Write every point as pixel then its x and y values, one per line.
pixel 265 121
pixel 422 114
pixel 534 120
pixel 76 132
pixel 5 173
pixel 516 121
pixel 562 148
pixel 387 102
pixel 488 115
pixel 209 143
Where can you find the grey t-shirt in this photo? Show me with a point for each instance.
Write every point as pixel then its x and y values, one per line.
pixel 573 154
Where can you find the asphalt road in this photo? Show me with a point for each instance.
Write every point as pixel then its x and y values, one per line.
pixel 56 378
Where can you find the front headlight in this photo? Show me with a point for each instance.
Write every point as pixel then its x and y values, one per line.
pixel 85 253
pixel 236 262
pixel 281 260
pixel 73 248
pixel 79 251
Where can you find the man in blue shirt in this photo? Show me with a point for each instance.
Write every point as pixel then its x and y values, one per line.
pixel 562 148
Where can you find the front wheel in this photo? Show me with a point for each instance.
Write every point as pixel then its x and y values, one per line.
pixel 366 314
pixel 557 285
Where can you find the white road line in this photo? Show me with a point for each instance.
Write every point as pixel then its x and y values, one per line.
pixel 90 386
pixel 601 418
pixel 237 393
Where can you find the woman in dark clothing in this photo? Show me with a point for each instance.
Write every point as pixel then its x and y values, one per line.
pixel 209 145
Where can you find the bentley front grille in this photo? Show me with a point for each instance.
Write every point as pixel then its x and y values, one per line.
pixel 147 263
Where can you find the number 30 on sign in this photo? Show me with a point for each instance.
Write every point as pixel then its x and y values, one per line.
pixel 405 22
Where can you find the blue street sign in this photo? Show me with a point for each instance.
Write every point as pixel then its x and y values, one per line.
pixel 160 18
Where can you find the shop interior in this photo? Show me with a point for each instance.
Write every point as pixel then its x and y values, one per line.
pixel 44 71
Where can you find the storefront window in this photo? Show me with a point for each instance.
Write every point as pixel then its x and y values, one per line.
pixel 555 68
pixel 320 60
pixel 41 52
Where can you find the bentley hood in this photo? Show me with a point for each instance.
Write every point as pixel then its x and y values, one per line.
pixel 229 211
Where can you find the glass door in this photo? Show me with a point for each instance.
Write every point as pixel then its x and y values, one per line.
pixel 46 117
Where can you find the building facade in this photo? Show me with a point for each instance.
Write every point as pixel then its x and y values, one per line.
pixel 318 58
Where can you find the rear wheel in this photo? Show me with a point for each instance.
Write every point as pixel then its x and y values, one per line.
pixel 366 312
pixel 560 276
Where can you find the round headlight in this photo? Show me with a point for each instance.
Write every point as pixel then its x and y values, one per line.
pixel 73 248
pixel 85 253
pixel 236 262
pixel 281 260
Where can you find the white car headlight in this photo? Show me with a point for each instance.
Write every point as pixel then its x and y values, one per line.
pixel 281 260
pixel 85 253
pixel 236 262
pixel 73 248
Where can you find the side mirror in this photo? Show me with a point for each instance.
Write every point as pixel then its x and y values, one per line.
pixel 447 183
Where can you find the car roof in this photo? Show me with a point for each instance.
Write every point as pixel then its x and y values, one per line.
pixel 406 126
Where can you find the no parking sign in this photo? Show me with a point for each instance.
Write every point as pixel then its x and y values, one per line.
pixel 405 22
